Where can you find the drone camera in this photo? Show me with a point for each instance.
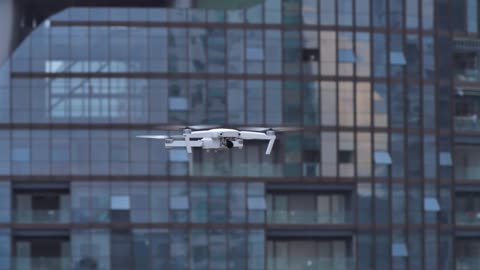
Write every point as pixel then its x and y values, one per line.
pixel 228 144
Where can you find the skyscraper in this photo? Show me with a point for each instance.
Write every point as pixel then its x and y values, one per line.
pixel 383 175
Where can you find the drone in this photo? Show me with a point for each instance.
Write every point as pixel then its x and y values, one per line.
pixel 212 137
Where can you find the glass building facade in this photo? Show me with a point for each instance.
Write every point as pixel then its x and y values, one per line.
pixel 382 176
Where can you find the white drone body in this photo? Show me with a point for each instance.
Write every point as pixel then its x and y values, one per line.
pixel 216 138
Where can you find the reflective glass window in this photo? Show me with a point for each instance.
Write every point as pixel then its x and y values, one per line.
pixel 329 154
pixel 429 106
pixel 199 249
pixel 364 193
pixel 363 54
pixel 382 211
pixel 329 103
pixel 397 104
pixel 273 11
pixel 383 250
pixel 362 12
pixel 236 102
pixel 429 156
pixel 292 11
pixel 396 14
pixel 398 204
pixel 345 8
pixel 310 12
pixel 428 13
pixel 364 154
pixel 412 13
pixel 428 58
pixel 328 52
pixel 379 55
pixel 345 104
pixel 327 12
pixel 379 12
pixel 217 249
pixel 273 55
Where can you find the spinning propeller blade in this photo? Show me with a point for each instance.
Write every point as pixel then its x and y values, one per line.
pixel 158 137
pixel 279 129
pixel 182 127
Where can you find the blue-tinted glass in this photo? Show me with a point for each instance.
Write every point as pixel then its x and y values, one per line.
pixel 414 157
pixel 256 250
pixel 428 13
pixel 413 56
pixel 379 10
pixel 5 248
pixel 379 55
pixel 397 105
pixel 365 244
pixel 362 12
pixel 383 250
pixel 198 198
pixel 428 58
pixel 291 12
pixel 414 106
pixel 412 13
pixel 415 204
pixel 178 246
pixel 396 14
pixel 364 193
pixel 254 14
pixel 381 203
pixel 237 249
pixel 431 249
pixel 237 203
pixel 141 248
pixel 217 210
pixel 345 16
pixel 398 203
pixel 430 157
pixel 217 249
pixel 160 243
pixel 327 12
pixel 199 249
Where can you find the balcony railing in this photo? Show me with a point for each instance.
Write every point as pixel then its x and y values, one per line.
pixel 306 217
pixel 42 263
pixel 331 263
pixel 467 173
pixel 467 263
pixel 467 218
pixel 467 74
pixel 42 216
pixel 467 123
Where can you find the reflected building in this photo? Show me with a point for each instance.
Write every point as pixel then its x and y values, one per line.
pixel 382 176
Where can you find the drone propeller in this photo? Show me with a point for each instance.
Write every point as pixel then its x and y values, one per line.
pixel 279 129
pixel 158 137
pixel 182 127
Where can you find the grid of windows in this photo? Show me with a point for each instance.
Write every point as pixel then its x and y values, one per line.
pixel 168 202
pixel 195 248
pixel 103 152
pixel 371 98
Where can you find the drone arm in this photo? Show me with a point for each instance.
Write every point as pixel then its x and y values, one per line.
pixel 182 143
pixel 248 135
pixel 188 144
pixel 202 134
pixel 270 146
